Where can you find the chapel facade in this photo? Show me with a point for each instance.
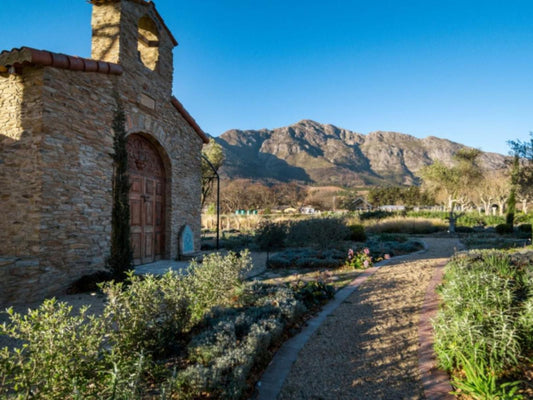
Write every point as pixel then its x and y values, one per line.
pixel 56 141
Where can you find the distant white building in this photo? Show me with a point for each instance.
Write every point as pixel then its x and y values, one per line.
pixel 391 208
pixel 307 210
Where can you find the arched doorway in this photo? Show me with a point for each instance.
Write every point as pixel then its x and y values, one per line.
pixel 147 200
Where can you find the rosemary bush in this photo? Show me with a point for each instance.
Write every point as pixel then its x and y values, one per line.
pixel 486 318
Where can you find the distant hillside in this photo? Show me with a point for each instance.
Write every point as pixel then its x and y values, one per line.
pixel 315 153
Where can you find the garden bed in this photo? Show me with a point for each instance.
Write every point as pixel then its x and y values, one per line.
pixel 201 335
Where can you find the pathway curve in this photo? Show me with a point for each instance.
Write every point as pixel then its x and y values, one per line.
pixel 367 348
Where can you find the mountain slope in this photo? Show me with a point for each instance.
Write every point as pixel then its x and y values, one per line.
pixel 324 154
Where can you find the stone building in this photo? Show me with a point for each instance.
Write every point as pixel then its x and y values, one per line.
pixel 56 114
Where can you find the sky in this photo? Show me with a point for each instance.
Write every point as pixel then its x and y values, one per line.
pixel 460 70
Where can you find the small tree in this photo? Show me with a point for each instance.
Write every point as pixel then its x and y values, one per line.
pixel 523 152
pixel 121 259
pixel 213 152
pixel 455 182
pixel 270 236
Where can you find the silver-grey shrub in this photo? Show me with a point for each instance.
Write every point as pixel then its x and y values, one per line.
pixel 317 232
pixel 234 342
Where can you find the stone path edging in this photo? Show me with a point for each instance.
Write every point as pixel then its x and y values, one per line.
pixel 434 381
pixel 277 371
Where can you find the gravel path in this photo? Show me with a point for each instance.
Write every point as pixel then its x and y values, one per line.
pixel 367 348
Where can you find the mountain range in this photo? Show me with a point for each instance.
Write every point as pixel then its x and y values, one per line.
pixel 313 153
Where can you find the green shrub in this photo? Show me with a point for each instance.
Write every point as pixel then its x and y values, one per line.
pixel 61 354
pixel 215 282
pixel 317 232
pixel 524 228
pixel 147 314
pixel 503 229
pixel 271 235
pixel 357 233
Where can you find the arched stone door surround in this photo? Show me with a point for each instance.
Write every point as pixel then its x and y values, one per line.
pixel 148 198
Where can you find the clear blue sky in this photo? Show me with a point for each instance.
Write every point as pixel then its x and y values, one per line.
pixel 461 70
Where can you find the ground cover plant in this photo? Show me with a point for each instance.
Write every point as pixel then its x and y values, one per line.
pixel 484 331
pixel 199 335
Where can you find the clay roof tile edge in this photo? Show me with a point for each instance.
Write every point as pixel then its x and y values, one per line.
pixel 185 114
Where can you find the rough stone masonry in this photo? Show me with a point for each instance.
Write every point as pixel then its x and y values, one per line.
pixel 56 171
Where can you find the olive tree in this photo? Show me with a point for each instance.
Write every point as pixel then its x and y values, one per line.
pixel 523 152
pixel 455 182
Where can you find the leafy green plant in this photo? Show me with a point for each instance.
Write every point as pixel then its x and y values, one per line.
pixel 147 313
pixel 60 355
pixel 215 282
pixel 313 293
pixel 359 260
pixel 480 381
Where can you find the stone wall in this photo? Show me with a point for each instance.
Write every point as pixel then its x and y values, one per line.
pixel 77 172
pixel 20 172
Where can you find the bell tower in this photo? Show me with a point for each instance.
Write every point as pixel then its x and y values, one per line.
pixel 133 34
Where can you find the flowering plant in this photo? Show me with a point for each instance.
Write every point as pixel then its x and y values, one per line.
pixel 359 260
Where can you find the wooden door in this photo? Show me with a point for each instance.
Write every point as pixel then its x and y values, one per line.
pixel 147 200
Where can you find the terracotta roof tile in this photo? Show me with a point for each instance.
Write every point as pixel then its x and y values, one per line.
pixel 28 56
pixel 185 114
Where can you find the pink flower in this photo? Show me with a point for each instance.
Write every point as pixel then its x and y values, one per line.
pixel 386 256
pixel 350 254
pixel 365 264
pixel 366 250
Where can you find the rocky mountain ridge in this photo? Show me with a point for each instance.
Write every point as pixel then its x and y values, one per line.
pixel 323 154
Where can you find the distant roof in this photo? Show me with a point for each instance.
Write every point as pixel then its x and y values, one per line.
pixel 17 58
pixel 145 3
